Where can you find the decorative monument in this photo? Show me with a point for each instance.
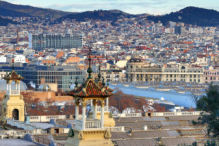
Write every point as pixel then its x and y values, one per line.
pixel 90 131
pixel 13 105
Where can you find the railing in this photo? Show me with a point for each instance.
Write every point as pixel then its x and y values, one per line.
pixel 184 113
pixel 46 118
pixel 89 124
pixel 115 129
pixel 127 115
pixel 92 124
pixel 14 92
pixel 99 108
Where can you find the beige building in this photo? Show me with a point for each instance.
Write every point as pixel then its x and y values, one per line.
pixel 139 71
pixel 112 75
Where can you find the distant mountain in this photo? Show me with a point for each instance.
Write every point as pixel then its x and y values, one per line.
pixel 23 11
pixel 5 22
pixel 110 15
pixel 11 13
pixel 190 15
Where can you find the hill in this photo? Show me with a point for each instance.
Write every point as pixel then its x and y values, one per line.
pixel 190 15
pixel 23 10
pixel 110 15
pixel 11 13
pixel 5 22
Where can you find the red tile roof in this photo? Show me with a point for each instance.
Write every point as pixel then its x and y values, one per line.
pixel 91 89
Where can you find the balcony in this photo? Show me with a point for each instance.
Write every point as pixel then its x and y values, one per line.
pixel 89 124
pixel 99 108
pixel 14 92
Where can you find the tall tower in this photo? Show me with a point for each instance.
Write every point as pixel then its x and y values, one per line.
pixel 90 130
pixel 13 105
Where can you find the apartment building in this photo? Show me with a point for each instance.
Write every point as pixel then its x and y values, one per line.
pixel 64 76
pixel 58 41
pixel 139 71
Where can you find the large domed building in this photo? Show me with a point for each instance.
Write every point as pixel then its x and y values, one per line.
pixel 3 85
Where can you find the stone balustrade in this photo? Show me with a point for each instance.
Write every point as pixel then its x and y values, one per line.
pixel 115 129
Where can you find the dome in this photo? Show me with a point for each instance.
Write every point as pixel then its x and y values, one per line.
pixel 72 86
pixel 3 85
pixel 44 87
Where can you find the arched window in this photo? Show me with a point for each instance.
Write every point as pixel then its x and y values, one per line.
pixel 183 67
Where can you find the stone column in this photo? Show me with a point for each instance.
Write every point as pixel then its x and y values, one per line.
pixel 83 114
pixel 76 110
pixel 16 85
pixel 9 87
pixel 102 114
pixel 95 109
pixel 107 104
pixel 19 87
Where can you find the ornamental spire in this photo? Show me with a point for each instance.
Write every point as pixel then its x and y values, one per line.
pixel 99 75
pixel 103 82
pixel 89 70
pixel 76 82
pixel 13 62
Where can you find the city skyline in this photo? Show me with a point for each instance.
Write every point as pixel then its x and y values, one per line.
pixel 156 7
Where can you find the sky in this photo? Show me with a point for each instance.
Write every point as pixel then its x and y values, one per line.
pixel 156 7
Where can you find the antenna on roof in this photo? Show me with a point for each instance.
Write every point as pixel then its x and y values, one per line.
pixel 89 70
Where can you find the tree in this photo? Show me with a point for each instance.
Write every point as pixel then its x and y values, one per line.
pixel 123 102
pixel 209 104
pixel 33 105
pixel 159 108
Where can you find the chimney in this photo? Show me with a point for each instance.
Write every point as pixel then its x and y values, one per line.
pixel 145 127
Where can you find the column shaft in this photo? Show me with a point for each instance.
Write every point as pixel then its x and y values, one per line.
pixel 83 115
pixel 102 114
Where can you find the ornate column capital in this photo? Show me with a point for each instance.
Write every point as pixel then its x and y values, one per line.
pixel 102 103
pixel 94 102
pixel 84 103
pixel 77 103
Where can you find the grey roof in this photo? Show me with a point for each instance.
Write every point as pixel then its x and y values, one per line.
pixel 16 142
pixel 43 125
pixel 136 142
pixel 170 123
pixel 178 141
pixel 155 119
pixel 141 134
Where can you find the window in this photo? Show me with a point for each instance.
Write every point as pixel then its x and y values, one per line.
pixel 194 76
pixel 171 76
pixel 183 67
pixel 167 76
pixel 190 76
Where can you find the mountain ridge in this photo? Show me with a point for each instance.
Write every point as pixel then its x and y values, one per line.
pixel 188 15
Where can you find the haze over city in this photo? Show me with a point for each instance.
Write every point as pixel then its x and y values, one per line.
pixel 156 7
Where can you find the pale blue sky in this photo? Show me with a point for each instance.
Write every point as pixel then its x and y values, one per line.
pixel 130 6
